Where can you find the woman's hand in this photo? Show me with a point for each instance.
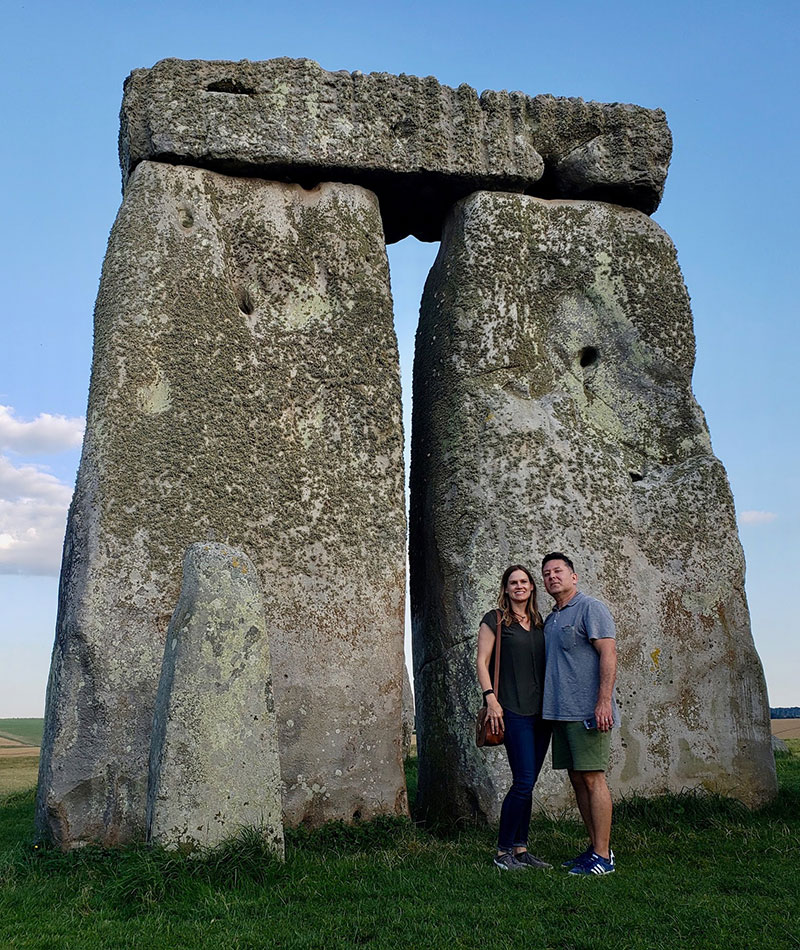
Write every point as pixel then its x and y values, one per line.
pixel 495 714
pixel 486 638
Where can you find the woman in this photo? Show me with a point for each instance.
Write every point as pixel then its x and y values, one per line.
pixel 518 708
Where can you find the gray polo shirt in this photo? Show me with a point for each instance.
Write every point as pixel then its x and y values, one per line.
pixel 572 674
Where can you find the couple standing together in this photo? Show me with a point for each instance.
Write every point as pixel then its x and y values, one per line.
pixel 556 678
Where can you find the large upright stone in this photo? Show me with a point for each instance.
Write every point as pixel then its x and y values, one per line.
pixel 245 389
pixel 214 766
pixel 553 411
pixel 418 144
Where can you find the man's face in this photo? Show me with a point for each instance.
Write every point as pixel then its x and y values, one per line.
pixel 559 581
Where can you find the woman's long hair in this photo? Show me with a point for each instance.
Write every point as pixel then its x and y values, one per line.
pixel 504 601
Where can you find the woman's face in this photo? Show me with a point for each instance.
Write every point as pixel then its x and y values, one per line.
pixel 519 587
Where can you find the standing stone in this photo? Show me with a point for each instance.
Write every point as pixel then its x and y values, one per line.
pixel 553 411
pixel 245 389
pixel 214 765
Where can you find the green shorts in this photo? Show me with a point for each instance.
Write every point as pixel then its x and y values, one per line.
pixel 580 749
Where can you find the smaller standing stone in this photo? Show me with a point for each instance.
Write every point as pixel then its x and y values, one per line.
pixel 214 764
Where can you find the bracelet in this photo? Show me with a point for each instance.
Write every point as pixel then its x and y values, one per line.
pixel 486 692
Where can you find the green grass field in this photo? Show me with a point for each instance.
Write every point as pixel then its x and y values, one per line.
pixel 27 731
pixel 693 873
pixel 17 774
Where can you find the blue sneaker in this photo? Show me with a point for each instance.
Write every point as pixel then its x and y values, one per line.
pixel 571 862
pixel 594 864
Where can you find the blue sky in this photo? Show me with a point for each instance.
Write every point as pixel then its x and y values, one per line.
pixel 725 73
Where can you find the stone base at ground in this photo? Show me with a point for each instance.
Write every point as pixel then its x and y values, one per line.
pixel 553 411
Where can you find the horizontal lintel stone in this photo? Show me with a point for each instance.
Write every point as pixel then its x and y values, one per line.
pixel 419 145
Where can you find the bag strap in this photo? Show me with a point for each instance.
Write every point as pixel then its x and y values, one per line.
pixel 497 641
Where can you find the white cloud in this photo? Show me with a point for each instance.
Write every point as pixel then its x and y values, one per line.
pixel 33 512
pixel 46 433
pixel 756 517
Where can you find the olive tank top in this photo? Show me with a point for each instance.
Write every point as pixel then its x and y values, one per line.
pixel 521 666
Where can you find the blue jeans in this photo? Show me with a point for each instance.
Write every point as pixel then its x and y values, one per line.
pixel 527 739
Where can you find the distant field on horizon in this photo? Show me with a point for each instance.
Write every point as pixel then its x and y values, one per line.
pixel 20 740
pixel 28 732
pixel 19 754
pixel 786 728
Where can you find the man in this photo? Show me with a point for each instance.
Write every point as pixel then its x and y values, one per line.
pixel 579 698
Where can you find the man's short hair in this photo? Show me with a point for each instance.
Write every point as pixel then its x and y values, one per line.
pixel 558 556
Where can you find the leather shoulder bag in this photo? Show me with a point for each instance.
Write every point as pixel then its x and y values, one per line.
pixel 482 734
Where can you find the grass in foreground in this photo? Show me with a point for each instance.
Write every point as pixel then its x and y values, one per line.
pixel 693 872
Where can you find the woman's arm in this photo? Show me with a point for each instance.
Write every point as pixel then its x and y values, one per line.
pixel 486 638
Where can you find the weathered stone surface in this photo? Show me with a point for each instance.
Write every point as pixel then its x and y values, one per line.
pixel 618 153
pixel 418 144
pixel 214 765
pixel 245 389
pixel 553 410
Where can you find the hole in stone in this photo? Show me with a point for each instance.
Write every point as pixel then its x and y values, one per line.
pixel 185 216
pixel 246 304
pixel 356 815
pixel 231 86
pixel 589 355
pixel 635 476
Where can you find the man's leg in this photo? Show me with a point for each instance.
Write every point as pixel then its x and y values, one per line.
pixel 596 810
pixel 582 798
